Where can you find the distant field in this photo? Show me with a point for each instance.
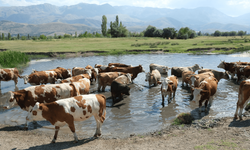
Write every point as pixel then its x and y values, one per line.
pixel 116 45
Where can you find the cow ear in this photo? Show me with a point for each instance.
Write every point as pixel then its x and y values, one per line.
pixel 159 82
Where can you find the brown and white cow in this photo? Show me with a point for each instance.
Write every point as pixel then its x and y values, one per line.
pixel 66 111
pixel 9 74
pixel 161 68
pixel 242 71
pixel 153 77
pixel 217 74
pixel 195 80
pixel 177 71
pixel 106 78
pixel 88 67
pixel 168 87
pixel 205 92
pixel 243 97
pixel 185 75
pixel 62 73
pixel 73 79
pixel 79 70
pixel 41 77
pixel 27 97
pixel 118 65
pixel 120 86
pixel 132 70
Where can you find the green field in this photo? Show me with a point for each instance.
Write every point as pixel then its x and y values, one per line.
pixel 109 45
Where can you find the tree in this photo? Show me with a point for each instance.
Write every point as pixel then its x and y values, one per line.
pixel 18 36
pixel 116 29
pixel 199 33
pixel 158 33
pixel 104 25
pixel 3 36
pixel 75 34
pixel 232 33
pixel 241 33
pixel 28 36
pixel 217 33
pixel 43 37
pixel 149 31
pixel 184 33
pixel 9 36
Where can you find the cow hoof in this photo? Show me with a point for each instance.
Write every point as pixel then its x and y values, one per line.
pixel 25 128
pixel 241 118
pixel 96 135
pixel 75 141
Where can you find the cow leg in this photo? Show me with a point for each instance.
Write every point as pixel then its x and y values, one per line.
pixel 200 104
pixel 98 131
pixel 206 102
pixel 240 113
pixel 56 133
pixel 99 87
pixel 163 99
pixel 113 97
pixel 16 81
pixel 103 87
pixel 211 100
pixel 72 128
pixel 169 96
pixel 236 112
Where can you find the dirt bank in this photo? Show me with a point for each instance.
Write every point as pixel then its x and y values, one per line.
pixel 224 133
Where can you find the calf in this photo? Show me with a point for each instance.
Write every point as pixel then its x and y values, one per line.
pixel 120 86
pixel 217 74
pixel 162 69
pixel 27 97
pixel 169 86
pixel 184 76
pixel 66 111
pixel 177 71
pixel 243 97
pixel 9 74
pixel 106 78
pixel 153 78
pixel 205 92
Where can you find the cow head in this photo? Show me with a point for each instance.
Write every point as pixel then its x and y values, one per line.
pixel 89 72
pixel 128 75
pixel 10 100
pixel 165 82
pixel 197 67
pixel 221 65
pixel 33 71
pixel 192 79
pixel 199 93
pixel 36 113
pixel 58 81
pixel 148 76
pixel 69 73
pixel 25 78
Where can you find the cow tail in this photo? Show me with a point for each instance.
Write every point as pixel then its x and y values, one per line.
pixel 74 92
pixel 102 118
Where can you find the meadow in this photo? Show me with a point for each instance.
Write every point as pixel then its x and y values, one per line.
pixel 128 45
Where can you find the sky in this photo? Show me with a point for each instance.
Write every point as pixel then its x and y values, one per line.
pixel 232 8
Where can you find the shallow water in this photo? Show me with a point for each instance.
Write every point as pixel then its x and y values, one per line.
pixel 141 111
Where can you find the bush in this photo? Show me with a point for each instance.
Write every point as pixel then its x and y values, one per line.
pixel 23 38
pixel 43 37
pixel 183 118
pixel 67 36
pixel 11 59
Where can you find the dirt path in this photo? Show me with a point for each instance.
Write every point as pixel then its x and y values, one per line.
pixel 202 134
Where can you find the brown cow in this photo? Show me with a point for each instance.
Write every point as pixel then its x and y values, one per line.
pixel 118 65
pixel 66 111
pixel 41 77
pixel 243 97
pixel 9 74
pixel 184 76
pixel 106 78
pixel 177 71
pixel 132 70
pixel 62 72
pixel 205 92
pixel 79 70
pixel 195 80
pixel 169 86
pixel 88 67
pixel 242 71
pixel 217 74
pixel 153 78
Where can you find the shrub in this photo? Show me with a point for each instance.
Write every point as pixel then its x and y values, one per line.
pixel 11 59
pixel 153 46
pixel 67 36
pixel 183 118
pixel 23 38
pixel 43 37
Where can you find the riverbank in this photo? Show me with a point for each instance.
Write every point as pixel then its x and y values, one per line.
pixel 224 133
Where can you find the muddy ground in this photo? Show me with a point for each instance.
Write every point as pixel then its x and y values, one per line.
pixel 223 133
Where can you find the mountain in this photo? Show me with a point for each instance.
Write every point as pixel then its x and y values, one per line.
pixel 135 19
pixel 46 29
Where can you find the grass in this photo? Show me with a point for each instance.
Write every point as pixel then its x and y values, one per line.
pixel 122 44
pixel 11 59
pixel 183 118
pixel 214 145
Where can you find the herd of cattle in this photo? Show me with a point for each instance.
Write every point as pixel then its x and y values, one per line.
pixel 67 98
